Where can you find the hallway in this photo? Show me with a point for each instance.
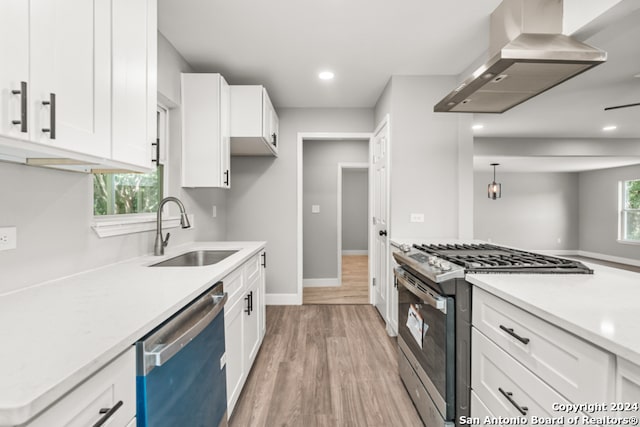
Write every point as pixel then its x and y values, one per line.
pixel 354 289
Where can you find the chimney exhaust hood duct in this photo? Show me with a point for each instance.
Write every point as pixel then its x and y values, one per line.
pixel 529 55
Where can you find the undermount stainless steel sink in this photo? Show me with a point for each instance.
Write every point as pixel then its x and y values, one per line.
pixel 195 259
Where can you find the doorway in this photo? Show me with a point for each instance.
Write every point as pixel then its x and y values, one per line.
pixel 320 220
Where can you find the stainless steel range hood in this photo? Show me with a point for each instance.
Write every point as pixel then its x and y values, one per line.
pixel 529 55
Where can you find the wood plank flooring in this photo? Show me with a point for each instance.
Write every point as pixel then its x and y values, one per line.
pixel 354 289
pixel 325 365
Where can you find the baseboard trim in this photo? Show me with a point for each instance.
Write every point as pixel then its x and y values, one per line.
pixel 282 299
pixel 330 281
pixel 355 252
pixel 620 260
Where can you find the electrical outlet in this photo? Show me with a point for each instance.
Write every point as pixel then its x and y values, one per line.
pixel 315 208
pixel 214 211
pixel 223 361
pixel 8 238
pixel 417 217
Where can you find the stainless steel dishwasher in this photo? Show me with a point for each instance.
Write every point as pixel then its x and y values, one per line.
pixel 181 369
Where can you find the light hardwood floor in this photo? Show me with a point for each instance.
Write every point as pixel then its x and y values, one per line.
pixel 325 365
pixel 354 289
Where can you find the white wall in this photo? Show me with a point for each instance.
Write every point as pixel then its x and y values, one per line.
pixel 355 209
pixel 431 157
pixel 320 187
pixel 261 204
pixel 599 212
pixel 535 211
pixel 53 210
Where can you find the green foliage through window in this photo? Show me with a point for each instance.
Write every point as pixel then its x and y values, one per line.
pixel 127 193
pixel 631 210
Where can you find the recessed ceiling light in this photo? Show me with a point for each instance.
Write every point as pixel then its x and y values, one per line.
pixel 326 75
pixel 478 126
pixel 609 128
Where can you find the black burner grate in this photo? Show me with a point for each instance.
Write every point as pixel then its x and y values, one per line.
pixel 487 258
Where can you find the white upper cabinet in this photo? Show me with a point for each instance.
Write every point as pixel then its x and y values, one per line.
pixel 134 80
pixel 254 122
pixel 205 131
pixel 70 67
pixel 14 72
pixel 78 82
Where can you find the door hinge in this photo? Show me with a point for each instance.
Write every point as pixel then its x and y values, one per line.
pixel 374 281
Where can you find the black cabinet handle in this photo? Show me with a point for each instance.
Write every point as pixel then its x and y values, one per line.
pixel 264 259
pixel 226 177
pixel 157 145
pixel 274 139
pixel 108 412
pixel 513 334
pixel 251 301
pixel 23 107
pixel 248 309
pixel 382 232
pixel 522 409
pixel 52 116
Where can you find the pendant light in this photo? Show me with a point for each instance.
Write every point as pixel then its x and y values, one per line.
pixel 494 190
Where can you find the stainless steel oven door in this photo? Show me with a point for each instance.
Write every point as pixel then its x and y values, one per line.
pixel 426 326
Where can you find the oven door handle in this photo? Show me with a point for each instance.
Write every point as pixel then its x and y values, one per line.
pixel 439 303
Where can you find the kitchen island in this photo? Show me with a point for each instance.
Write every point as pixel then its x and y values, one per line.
pixel 602 308
pixel 57 334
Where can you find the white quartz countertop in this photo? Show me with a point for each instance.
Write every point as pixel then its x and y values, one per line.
pixel 54 335
pixel 603 308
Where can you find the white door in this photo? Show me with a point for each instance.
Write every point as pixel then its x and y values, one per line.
pixel 380 246
pixel 14 55
pixel 71 59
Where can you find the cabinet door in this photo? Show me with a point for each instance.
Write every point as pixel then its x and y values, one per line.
pixel 627 386
pixel 225 133
pixel 205 130
pixel 234 348
pixel 134 34
pixel 252 323
pixel 14 56
pixel 269 121
pixel 263 292
pixel 70 57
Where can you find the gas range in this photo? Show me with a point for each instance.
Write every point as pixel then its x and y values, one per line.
pixel 442 262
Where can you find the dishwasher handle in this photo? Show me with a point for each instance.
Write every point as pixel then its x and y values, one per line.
pixel 167 341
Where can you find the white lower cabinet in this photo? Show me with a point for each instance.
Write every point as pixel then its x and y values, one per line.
pixel 110 393
pixel 628 387
pixel 244 323
pixel 523 366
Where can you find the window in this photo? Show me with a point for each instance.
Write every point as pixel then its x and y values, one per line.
pixel 630 211
pixel 127 202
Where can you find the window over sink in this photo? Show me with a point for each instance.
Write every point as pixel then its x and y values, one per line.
pixel 630 211
pixel 126 203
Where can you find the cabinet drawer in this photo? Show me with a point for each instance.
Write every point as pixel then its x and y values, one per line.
pixel 493 370
pixel 578 370
pixel 114 383
pixel 252 268
pixel 234 286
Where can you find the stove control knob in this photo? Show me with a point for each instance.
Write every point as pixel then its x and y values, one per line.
pixel 405 247
pixel 445 266
pixel 433 260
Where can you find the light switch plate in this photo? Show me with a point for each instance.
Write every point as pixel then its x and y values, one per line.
pixel 8 238
pixel 315 208
pixel 417 217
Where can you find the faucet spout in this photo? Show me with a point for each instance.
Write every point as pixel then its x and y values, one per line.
pixel 161 242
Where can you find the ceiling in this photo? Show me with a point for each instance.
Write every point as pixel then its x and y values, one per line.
pixel 284 44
